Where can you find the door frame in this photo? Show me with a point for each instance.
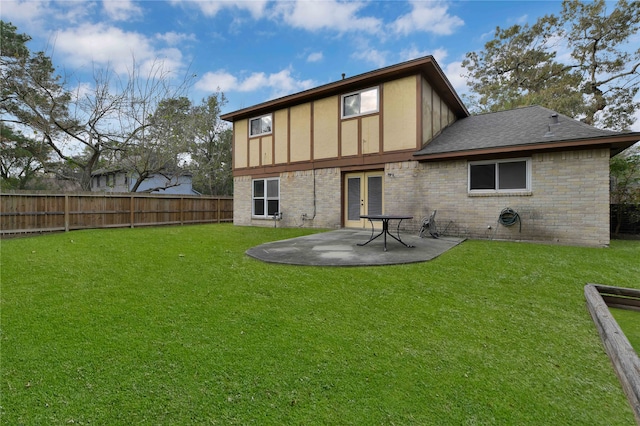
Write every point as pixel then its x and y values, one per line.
pixel 364 190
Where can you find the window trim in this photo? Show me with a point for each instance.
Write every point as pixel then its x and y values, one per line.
pixel 525 190
pixel 359 92
pixel 251 135
pixel 265 198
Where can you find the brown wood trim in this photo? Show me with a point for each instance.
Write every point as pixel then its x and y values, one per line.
pixel 339 121
pixel 248 162
pixel 418 112
pixel 288 135
pixel 344 162
pixel 359 136
pixel 433 110
pixel 311 138
pixel 381 118
pixel 273 138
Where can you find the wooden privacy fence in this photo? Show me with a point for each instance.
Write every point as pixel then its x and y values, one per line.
pixel 37 213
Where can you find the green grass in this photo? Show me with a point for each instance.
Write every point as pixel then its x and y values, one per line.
pixel 629 322
pixel 169 326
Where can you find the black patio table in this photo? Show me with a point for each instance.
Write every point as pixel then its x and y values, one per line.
pixel 385 218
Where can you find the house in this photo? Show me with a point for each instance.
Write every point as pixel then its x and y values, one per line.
pixel 399 140
pixel 122 181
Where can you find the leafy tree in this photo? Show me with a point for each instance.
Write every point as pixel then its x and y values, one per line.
pixel 211 148
pixel 21 159
pixel 29 93
pixel 625 188
pixel 596 82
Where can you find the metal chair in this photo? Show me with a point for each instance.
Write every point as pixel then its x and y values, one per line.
pixel 429 225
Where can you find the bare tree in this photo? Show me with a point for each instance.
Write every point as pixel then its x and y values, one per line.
pixel 101 120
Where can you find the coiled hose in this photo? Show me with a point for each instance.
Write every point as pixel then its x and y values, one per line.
pixel 509 217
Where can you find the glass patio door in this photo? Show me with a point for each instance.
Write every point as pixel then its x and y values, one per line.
pixel 363 195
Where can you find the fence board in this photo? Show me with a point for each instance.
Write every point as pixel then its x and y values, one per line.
pixel 22 213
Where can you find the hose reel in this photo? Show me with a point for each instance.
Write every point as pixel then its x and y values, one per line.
pixel 509 217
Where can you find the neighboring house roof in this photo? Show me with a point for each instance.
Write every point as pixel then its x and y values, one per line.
pixel 425 66
pixel 101 172
pixel 521 129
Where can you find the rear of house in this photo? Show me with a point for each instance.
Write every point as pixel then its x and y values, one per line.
pixel 400 141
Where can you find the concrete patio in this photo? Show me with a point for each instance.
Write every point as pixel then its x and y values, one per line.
pixel 339 248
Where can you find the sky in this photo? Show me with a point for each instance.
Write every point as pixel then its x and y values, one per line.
pixel 257 50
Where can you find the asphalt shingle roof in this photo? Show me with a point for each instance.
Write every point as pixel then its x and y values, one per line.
pixel 517 127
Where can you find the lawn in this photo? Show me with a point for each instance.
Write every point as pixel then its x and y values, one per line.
pixel 175 325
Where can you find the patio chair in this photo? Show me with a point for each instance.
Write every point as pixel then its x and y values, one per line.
pixel 429 225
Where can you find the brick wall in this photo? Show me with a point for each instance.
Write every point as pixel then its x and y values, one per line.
pixel 296 200
pixel 568 202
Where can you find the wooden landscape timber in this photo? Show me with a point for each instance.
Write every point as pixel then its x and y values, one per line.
pixel 623 357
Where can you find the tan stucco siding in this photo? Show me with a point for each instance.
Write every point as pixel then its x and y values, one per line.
pixel 267 150
pixel 436 114
pixel 281 136
pixel 427 111
pixel 370 134
pixel 240 134
pixel 325 128
pixel 300 132
pixel 254 152
pixel 349 138
pixel 399 114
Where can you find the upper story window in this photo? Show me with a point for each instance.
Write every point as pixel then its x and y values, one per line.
pixel 359 103
pixel 513 175
pixel 260 125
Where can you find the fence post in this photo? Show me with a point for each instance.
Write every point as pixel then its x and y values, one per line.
pixel 132 214
pixel 181 211
pixel 66 213
pixel 218 202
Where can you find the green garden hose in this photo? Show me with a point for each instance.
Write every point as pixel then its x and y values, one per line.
pixel 509 217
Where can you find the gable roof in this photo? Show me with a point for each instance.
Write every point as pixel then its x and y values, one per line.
pixel 426 66
pixel 523 130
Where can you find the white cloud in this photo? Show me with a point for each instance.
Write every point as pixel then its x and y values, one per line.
pixel 172 38
pixel 35 16
pixel 22 11
pixel 212 81
pixel 431 17
pixel 440 55
pixel 105 46
pixel 371 56
pixel 454 72
pixel 326 15
pixel 279 84
pixel 121 10
pixel 315 57
pixel 412 52
pixel 211 7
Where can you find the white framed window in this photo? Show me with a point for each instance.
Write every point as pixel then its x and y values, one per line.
pixel 260 125
pixel 360 103
pixel 500 176
pixel 266 197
